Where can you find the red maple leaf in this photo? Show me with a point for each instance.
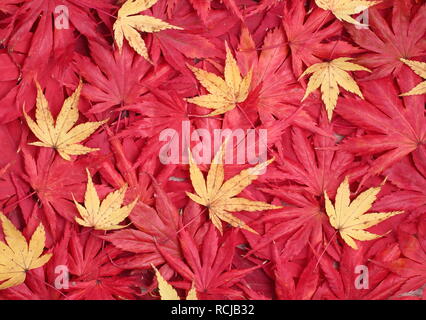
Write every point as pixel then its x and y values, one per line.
pixel 393 127
pixel 403 37
pixel 412 265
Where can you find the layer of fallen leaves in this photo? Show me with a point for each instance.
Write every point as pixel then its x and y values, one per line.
pixel 88 210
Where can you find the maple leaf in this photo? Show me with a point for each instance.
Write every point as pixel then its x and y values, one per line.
pixel 409 176
pixel 128 24
pixel 420 69
pixel 349 218
pixel 167 292
pixel 209 266
pixel 387 39
pixel 219 196
pixel 342 279
pixel 412 265
pixel 61 135
pixel 309 36
pixel 53 182
pixel 394 127
pixel 39 43
pixel 224 93
pixel 155 228
pixel 37 285
pixel 17 256
pixel 275 93
pixel 105 215
pixel 286 288
pixel 343 9
pixel 173 45
pixel 161 110
pixel 94 271
pixel 302 172
pixel 110 80
pixel 329 75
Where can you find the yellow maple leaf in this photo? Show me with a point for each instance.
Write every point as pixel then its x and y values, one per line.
pixel 128 25
pixel 219 196
pixel 167 292
pixel 343 9
pixel 17 256
pixel 61 135
pixel 224 93
pixel 349 218
pixel 420 69
pixel 328 75
pixel 106 215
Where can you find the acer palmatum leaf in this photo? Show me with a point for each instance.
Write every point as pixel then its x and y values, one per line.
pixel 349 218
pixel 167 292
pixel 328 76
pixel 224 94
pixel 394 127
pixel 105 215
pixel 129 24
pixel 61 134
pixel 387 40
pixel 411 266
pixel 343 9
pixel 219 195
pixel 17 256
pixel 420 69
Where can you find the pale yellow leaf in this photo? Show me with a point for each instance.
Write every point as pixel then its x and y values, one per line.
pixel 167 292
pixel 135 41
pixel 197 178
pixel 68 115
pixel 218 196
pixel 211 101
pixel 127 25
pixel 192 294
pixel 328 76
pixel 105 215
pixel 420 69
pixel 330 92
pixel 241 204
pixel 73 149
pixel 216 174
pixel 131 7
pixel 214 84
pixel 232 72
pixel 43 116
pixel 61 136
pixel 78 133
pixel 16 256
pixel 239 182
pixel 225 93
pixel 350 219
pixel 91 199
pixel 149 24
pixel 343 9
pixel 244 87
